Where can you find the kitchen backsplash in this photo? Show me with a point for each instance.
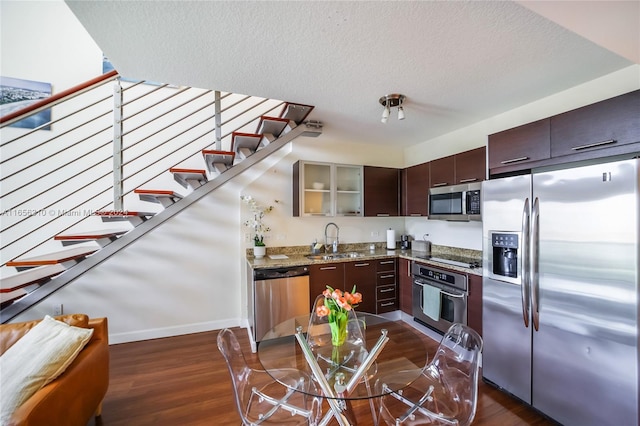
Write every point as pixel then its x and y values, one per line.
pixel 363 247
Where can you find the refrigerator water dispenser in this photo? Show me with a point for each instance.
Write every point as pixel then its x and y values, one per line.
pixel 505 247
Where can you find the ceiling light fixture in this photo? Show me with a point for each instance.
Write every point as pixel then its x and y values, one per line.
pixel 385 114
pixel 391 101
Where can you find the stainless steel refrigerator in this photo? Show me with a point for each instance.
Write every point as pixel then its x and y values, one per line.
pixel 560 291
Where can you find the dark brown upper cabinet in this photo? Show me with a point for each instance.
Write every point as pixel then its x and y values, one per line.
pixel 471 166
pixel 515 148
pixel 415 190
pixel 599 129
pixel 381 191
pixel 443 171
pixel 604 129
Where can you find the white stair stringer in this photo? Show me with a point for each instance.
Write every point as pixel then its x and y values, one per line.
pixel 310 129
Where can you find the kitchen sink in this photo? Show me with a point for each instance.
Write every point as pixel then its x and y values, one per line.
pixel 332 256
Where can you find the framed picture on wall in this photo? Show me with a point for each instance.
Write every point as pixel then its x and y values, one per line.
pixel 16 94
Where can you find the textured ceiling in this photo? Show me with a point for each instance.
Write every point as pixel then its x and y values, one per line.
pixel 457 62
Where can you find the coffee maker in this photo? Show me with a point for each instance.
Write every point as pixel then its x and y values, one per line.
pixel 405 242
pixel 505 247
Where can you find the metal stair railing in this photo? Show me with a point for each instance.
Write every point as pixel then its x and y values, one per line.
pixel 107 137
pixel 102 146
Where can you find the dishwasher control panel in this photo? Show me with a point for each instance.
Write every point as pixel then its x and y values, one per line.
pixel 275 273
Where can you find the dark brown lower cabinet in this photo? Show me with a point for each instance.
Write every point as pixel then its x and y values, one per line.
pixel 405 283
pixel 322 275
pixel 474 303
pixel 386 286
pixel 362 274
pixel 376 280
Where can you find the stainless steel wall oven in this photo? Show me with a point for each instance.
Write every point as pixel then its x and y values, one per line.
pixel 439 297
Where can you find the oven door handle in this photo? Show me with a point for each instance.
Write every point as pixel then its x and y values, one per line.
pixel 422 284
pixel 460 296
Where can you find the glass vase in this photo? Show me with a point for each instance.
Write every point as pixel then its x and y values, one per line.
pixel 338 330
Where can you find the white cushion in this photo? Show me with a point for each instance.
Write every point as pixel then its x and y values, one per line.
pixel 36 359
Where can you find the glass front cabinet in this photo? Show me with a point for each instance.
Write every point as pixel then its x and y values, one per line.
pixel 327 189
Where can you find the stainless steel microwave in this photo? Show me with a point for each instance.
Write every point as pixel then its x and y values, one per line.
pixel 456 202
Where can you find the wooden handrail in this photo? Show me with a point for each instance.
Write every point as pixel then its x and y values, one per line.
pixel 58 96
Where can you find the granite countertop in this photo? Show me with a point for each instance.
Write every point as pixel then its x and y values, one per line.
pixel 297 256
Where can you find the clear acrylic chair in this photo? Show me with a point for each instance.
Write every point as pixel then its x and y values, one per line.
pixel 260 399
pixel 446 393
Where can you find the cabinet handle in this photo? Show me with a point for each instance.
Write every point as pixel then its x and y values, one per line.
pixel 327 268
pixel 387 290
pixel 386 262
pixel 593 145
pixel 387 276
pixel 468 180
pixel 514 160
pixel 382 214
pixel 357 265
pixel 439 184
pixel 382 305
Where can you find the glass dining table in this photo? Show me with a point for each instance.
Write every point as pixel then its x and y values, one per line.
pixel 389 352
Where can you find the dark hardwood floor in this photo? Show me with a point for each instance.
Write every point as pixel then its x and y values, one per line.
pixel 184 380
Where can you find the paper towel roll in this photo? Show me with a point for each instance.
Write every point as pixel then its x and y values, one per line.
pixel 391 239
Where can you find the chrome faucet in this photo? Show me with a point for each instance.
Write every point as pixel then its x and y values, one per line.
pixel 326 238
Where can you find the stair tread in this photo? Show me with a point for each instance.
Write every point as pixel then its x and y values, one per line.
pixel 296 112
pixel 217 152
pixel 224 157
pixel 29 276
pixel 185 174
pixel 273 125
pixel 53 258
pixel 92 235
pixel 189 177
pixel 158 192
pixel 246 140
pixel 116 213
pixel 6 298
pixel 200 172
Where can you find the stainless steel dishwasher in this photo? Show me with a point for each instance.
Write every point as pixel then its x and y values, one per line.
pixel 278 294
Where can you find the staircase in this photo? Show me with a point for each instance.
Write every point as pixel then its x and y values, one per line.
pixel 37 272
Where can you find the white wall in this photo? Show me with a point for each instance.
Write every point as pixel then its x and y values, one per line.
pixel 43 41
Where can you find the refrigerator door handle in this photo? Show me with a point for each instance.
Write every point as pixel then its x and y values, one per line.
pixel 524 273
pixel 535 288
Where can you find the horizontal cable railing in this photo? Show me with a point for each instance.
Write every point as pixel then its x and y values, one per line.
pixel 54 180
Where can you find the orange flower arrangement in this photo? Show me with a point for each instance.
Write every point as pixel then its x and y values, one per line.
pixel 336 306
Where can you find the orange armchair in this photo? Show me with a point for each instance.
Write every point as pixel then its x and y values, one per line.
pixel 77 394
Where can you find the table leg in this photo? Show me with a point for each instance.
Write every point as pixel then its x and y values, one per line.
pixel 334 405
pixel 336 410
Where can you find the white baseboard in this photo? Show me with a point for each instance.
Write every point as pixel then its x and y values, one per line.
pixel 158 333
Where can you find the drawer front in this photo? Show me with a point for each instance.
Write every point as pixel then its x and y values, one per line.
pixel 386 265
pixel 387 306
pixel 385 292
pixel 386 278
